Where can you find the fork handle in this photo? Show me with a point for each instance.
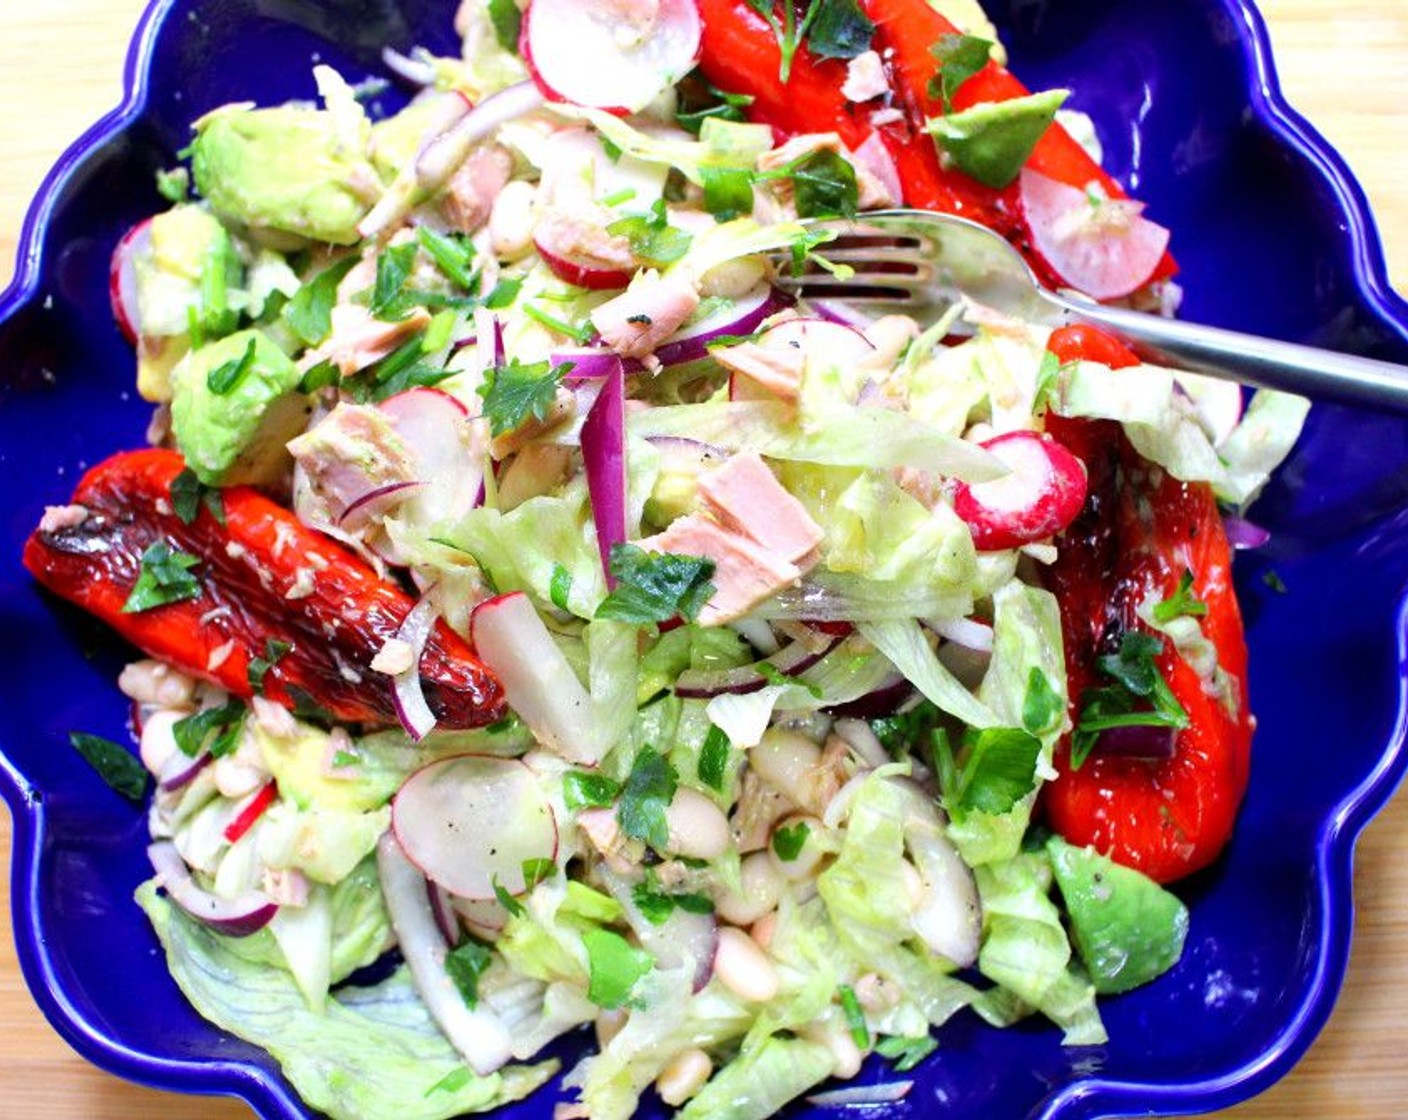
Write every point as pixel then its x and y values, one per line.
pixel 1247 358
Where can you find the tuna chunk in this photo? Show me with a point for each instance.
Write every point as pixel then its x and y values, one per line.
pixel 776 369
pixel 349 453
pixel 581 237
pixel 744 574
pixel 469 196
pixel 745 496
pixel 358 340
pixel 647 313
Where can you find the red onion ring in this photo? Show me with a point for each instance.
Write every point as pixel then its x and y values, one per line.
pixel 408 695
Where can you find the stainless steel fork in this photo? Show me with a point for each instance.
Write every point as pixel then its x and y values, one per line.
pixel 920 263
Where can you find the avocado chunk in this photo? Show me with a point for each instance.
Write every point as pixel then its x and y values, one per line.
pixel 234 405
pixel 991 141
pixel 1127 929
pixel 288 170
pixel 396 139
pixel 187 273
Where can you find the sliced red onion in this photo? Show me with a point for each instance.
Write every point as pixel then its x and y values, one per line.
pixel 234 917
pixel 418 68
pixel 443 910
pixel 856 1095
pixel 757 634
pixel 794 658
pixel 1136 742
pixel 839 312
pixel 686 447
pixel 604 456
pixel 966 632
pixel 376 501
pixel 477 1033
pixel 883 700
pixel 1244 534
pixel 589 363
pixel 411 708
pixel 180 770
pixel 744 317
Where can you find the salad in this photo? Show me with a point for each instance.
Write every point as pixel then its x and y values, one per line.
pixel 551 626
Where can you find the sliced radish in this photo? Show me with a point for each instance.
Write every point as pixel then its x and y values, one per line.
pixel 122 278
pixel 486 916
pixel 691 343
pixel 375 503
pixel 1041 496
pixel 538 681
pixel 234 917
pixel 470 821
pixel 618 54
pixel 442 908
pixel 580 271
pixel 1101 246
pixel 436 430
pixel 477 1033
pixel 256 807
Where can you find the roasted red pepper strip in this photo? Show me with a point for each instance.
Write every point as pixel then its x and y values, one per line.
pixel 252 812
pixel 263 575
pixel 1140 530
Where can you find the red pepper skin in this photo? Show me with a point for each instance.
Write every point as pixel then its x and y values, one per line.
pixel 252 812
pixel 337 618
pixel 1141 528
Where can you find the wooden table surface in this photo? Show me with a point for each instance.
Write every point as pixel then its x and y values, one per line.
pixel 1343 66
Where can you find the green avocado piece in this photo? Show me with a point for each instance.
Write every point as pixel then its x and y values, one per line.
pixel 1127 929
pixel 286 169
pixel 991 140
pixel 396 139
pixel 237 436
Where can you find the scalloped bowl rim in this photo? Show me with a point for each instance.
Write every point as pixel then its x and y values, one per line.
pixel 1084 1097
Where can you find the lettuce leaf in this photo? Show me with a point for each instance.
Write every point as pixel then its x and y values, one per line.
pixel 757 1083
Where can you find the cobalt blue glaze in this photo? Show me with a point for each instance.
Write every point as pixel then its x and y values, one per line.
pixel 1273 236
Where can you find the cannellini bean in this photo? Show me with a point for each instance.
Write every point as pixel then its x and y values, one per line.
pixel 235 778
pixel 743 968
pixel 846 1057
pixel 765 929
pixel 152 682
pixel 698 827
pixel 808 859
pixel 913 883
pixel 684 1077
pixel 511 220
pixel 784 759
pixel 761 889
pixel 158 743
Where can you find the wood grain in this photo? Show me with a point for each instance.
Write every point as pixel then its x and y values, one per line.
pixel 1342 66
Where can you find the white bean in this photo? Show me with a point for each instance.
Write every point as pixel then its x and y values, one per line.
pixel 846 1057
pixel 761 888
pixel 511 220
pixel 153 682
pixel 698 827
pixel 764 929
pixel 743 968
pixel 684 1077
pixel 784 759
pixel 235 778
pixel 158 743
pixel 808 858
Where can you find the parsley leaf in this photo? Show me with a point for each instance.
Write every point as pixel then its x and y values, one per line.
pixel 506 900
pixel 959 58
pixel 823 185
pixel 309 313
pixel 991 141
pixel 585 789
pixel 537 871
pixel 656 586
pixel 789 840
pixel 774 676
pixel 649 789
pixel 721 106
pixel 507 21
pixel 788 32
pixel 114 764
pixel 504 293
pixel 217 729
pixel 855 1016
pixel 652 238
pixel 453 255
pixel 657 906
pixel 165 578
pixel 393 269
pixel 225 378
pixel 908 1052
pixel 903 731
pixel 466 964
pixel 560 587
pixel 1138 697
pixel 582 333
pixel 320 376
pixel 1182 603
pixel 515 391
pixel 839 29
pixel 452 1082
pixel 728 192
pixel 998 771
pixel 1274 581
pixel 1048 381
pixel 274 651
pixel 1043 706
pixel 714 755
pixel 616 966
pixel 189 493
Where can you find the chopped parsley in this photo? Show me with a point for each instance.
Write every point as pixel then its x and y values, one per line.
pixel 789 840
pixel 855 1016
pixel 648 791
pixel 215 729
pixel 1138 695
pixel 465 965
pixel 615 967
pixel 1182 603
pixel 165 577
pixel 715 103
pixel 582 333
pixel 504 293
pixel 1043 706
pixel 225 378
pixel 309 313
pixel 901 732
pixel 320 376
pixel 656 586
pixel 959 58
pixel 714 756
pixel 728 192
pixel 653 240
pixel 514 391
pixel 907 1052
pixel 657 906
pixel 506 900
pixel 586 789
pixel 839 29
pixel 393 268
pixel 997 771
pixel 507 21
pixel 274 651
pixel 113 763
pixel 560 587
pixel 823 184
pixel 453 256
pixel 189 494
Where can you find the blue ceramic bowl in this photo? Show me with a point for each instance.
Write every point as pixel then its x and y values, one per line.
pixel 1274 237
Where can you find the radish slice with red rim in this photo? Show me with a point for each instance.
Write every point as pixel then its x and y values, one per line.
pixel 234 917
pixel 435 428
pixel 691 343
pixel 618 55
pixel 584 274
pixel 538 680
pixel 122 278
pixel 1103 247
pixel 471 821
pixel 1041 495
